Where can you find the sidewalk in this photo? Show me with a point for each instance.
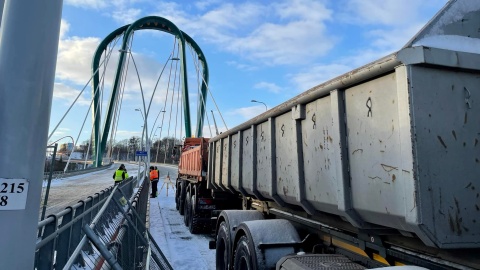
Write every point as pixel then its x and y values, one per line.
pixel 182 249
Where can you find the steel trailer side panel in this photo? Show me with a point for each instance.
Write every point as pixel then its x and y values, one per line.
pixel 286 159
pixel 264 159
pixel 248 160
pixel 446 109
pixel 217 166
pixel 374 152
pixel 235 169
pixel 318 152
pixel 225 161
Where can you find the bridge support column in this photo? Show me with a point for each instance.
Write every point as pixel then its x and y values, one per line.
pixel 29 35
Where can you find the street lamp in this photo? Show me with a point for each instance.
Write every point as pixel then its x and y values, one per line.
pixel 158 146
pixel 253 100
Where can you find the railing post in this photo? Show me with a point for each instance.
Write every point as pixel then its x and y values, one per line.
pixel 64 240
pixel 77 233
pixel 86 220
pixel 46 253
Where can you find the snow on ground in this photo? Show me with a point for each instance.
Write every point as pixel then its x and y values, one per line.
pixel 166 224
pixel 182 249
pixel 69 190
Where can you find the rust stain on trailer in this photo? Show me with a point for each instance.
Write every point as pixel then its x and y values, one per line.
pixel 469 184
pixel 454 134
pixel 476 142
pixel 394 178
pixel 441 141
pixel 360 150
pixel 465 119
pixel 285 190
pixel 388 168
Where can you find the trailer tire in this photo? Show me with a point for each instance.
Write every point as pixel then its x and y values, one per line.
pixel 186 210
pixel 244 259
pixel 182 198
pixel 222 249
pixel 194 224
pixel 177 196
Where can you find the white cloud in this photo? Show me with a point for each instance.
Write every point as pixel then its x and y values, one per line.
pixel 316 75
pixel 95 4
pixel 64 27
pixel 383 12
pixel 293 29
pixel 126 16
pixel 271 87
pixel 247 112
pixel 75 57
pixel 69 94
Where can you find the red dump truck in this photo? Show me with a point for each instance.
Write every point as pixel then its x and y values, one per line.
pixel 377 167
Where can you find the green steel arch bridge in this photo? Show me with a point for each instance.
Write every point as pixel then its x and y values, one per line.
pixel 101 129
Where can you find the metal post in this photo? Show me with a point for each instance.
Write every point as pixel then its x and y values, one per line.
pixel 29 42
pixel 45 201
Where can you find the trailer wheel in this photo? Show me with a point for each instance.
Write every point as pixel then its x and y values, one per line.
pixel 255 249
pixel 228 221
pixel 194 224
pixel 186 210
pixel 222 250
pixel 244 259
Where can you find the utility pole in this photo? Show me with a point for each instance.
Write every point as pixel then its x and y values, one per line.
pixel 28 50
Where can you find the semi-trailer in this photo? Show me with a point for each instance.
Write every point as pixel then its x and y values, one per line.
pixel 377 167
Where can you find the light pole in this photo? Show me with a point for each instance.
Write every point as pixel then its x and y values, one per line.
pixel 266 109
pixel 158 146
pixel 141 142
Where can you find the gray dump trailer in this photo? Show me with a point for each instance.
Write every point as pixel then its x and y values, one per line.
pixel 377 167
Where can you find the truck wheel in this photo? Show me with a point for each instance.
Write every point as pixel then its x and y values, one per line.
pixel 222 250
pixel 182 192
pixel 194 225
pixel 177 196
pixel 186 210
pixel 243 255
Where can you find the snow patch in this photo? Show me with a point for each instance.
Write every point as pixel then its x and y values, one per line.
pixel 453 14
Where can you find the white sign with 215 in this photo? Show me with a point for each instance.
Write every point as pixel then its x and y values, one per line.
pixel 13 194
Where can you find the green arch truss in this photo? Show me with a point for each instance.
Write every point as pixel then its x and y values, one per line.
pixel 100 136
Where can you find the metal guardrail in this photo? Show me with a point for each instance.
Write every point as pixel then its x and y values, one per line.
pixel 76 172
pixel 59 234
pixel 104 231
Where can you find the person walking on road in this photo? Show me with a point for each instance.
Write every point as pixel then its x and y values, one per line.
pixel 154 180
pixel 119 174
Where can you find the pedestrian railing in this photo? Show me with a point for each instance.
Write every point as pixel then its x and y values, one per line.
pixel 106 231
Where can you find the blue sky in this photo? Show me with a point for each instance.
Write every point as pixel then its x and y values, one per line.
pixel 269 51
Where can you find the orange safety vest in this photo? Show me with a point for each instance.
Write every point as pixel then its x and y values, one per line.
pixel 153 175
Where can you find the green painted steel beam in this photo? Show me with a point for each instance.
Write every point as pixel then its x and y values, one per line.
pixel 203 90
pixel 153 23
pixel 96 117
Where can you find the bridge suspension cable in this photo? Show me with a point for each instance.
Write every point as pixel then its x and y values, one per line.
pixel 78 96
pixel 105 61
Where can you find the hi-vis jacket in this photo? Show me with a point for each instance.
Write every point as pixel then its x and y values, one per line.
pixel 153 175
pixel 119 175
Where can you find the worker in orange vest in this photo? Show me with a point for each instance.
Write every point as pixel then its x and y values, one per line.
pixel 154 180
